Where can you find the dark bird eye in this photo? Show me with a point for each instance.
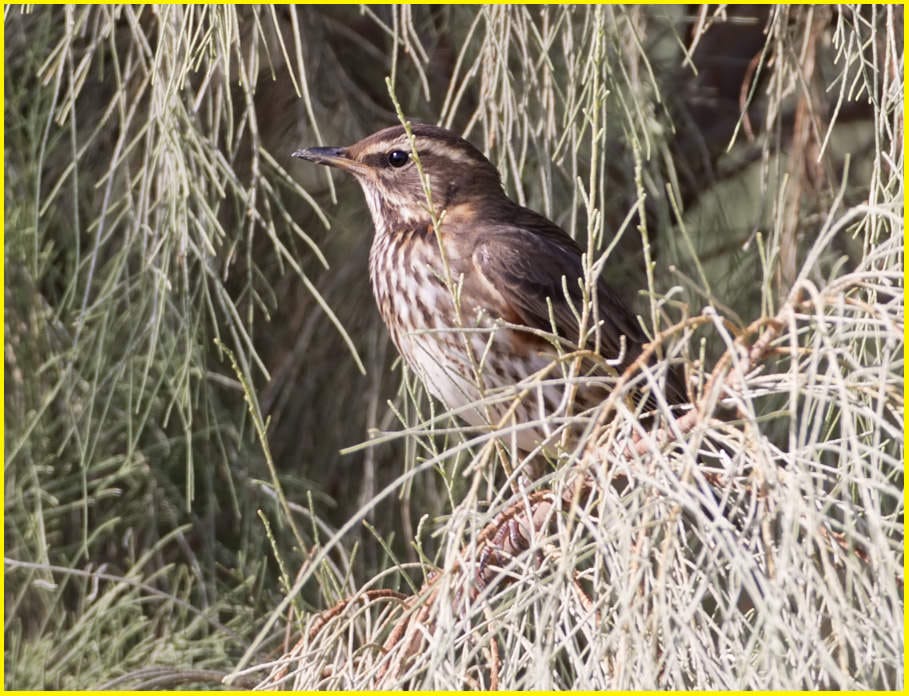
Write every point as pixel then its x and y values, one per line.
pixel 397 158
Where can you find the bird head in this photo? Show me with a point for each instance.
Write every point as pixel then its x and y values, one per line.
pixel 386 166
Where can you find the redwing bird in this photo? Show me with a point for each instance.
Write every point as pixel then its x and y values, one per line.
pixel 480 294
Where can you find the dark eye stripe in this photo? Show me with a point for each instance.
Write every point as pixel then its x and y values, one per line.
pixel 430 157
pixel 377 160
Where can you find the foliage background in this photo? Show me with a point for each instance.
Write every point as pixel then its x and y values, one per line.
pixel 191 340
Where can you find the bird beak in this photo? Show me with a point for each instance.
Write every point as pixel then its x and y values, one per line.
pixel 333 157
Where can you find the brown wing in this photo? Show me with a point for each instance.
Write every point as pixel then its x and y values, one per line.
pixel 526 258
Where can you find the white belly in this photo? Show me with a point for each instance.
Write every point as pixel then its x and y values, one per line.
pixel 481 390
